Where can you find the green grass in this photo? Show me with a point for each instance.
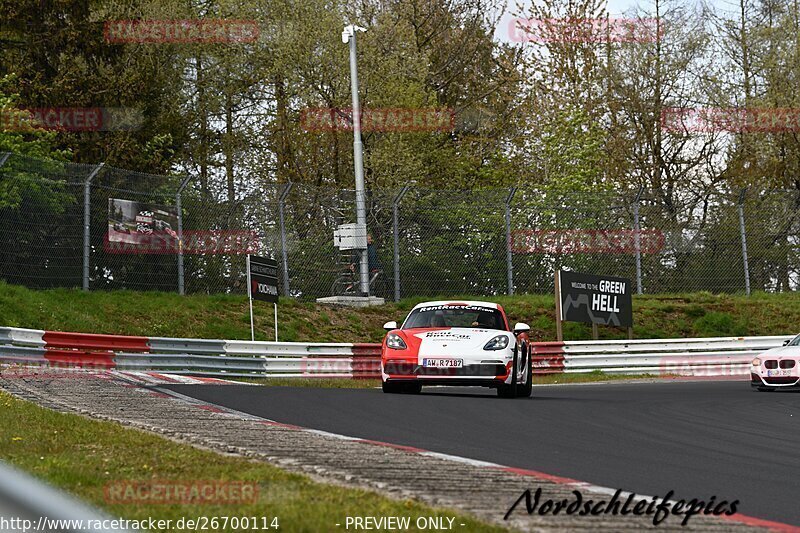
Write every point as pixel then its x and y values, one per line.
pixel 83 456
pixel 226 316
pixel 587 377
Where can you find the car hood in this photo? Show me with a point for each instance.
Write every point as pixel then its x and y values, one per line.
pixel 447 342
pixel 783 351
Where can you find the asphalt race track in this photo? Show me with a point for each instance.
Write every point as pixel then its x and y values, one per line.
pixel 696 438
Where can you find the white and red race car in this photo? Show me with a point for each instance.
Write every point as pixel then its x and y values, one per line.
pixel 777 368
pixel 457 343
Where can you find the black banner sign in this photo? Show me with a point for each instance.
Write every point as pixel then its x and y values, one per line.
pixel 595 299
pixel 263 279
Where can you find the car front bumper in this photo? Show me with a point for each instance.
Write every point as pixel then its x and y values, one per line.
pixel 480 374
pixel 786 373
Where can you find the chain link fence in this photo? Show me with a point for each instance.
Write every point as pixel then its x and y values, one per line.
pixel 64 225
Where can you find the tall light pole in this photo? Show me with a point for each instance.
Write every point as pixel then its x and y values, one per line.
pixel 349 36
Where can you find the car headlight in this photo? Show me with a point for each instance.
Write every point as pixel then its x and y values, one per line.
pixel 756 362
pixel 395 342
pixel 499 342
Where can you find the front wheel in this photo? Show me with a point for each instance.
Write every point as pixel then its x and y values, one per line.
pixel 525 389
pixel 509 390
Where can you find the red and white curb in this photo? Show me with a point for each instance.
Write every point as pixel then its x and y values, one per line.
pixel 165 378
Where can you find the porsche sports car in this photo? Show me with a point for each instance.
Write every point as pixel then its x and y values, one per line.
pixel 457 343
pixel 777 368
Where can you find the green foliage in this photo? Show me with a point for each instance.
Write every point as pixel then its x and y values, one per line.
pixel 694 311
pixel 717 324
pixel 18 133
pixel 572 153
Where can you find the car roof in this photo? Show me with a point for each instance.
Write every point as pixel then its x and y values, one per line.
pixel 458 302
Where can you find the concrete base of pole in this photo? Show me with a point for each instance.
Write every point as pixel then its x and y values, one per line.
pixel 352 301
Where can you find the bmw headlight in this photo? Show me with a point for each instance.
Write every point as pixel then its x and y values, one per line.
pixel 395 342
pixel 756 362
pixel 499 342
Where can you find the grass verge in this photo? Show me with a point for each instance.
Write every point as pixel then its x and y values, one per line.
pixel 226 316
pixel 83 456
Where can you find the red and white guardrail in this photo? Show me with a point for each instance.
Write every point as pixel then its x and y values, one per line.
pixel 717 356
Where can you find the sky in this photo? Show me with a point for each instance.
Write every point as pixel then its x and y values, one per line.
pixel 616 8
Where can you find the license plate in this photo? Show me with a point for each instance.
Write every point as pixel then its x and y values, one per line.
pixel 771 373
pixel 443 363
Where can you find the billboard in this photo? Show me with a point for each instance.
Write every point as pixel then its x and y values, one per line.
pixel 263 279
pixel 141 224
pixel 595 299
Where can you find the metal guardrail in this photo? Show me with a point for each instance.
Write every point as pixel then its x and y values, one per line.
pixel 21 336
pixel 43 508
pixel 215 357
pixel 708 356
pixel 663 345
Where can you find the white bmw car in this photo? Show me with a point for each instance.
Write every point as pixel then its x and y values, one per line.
pixel 777 368
pixel 457 343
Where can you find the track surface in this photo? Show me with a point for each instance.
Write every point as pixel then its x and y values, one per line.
pixel 696 438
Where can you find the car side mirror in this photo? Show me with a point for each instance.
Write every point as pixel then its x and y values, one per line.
pixel 521 327
pixel 389 326
pixel 787 341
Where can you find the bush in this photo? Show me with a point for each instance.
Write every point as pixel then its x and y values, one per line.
pixel 716 324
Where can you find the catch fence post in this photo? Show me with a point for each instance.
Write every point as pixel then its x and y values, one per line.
pixel 637 240
pixel 509 258
pixel 181 282
pixel 396 238
pixel 87 192
pixel 744 242
pixel 284 254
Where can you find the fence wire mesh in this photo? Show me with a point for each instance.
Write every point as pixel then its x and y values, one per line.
pixel 427 242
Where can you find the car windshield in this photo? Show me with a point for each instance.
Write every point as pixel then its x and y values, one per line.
pixel 455 316
pixel 794 342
